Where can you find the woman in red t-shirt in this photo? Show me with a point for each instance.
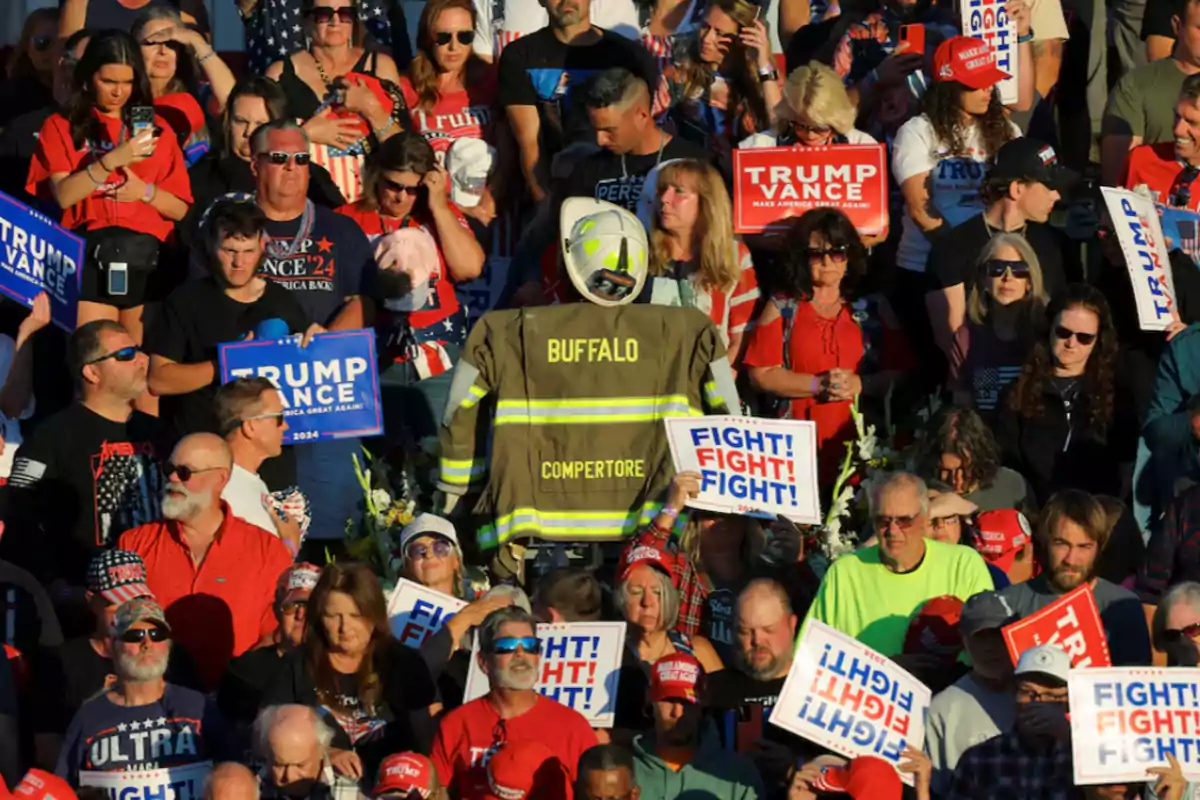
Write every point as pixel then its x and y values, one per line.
pixel 451 93
pixel 175 55
pixel 809 344
pixel 123 190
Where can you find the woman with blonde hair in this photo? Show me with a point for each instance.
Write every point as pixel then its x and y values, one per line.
pixel 725 86
pixel 448 81
pixel 695 260
pixel 1004 311
pixel 816 110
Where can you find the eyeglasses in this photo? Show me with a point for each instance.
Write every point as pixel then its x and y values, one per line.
pixel 399 188
pixel 184 472
pixel 293 608
pixel 837 255
pixel 419 551
pixel 506 645
pixel 1172 635
pixel 819 130
pixel 41 43
pixel 280 158
pixel 1084 339
pixel 151 42
pixel 442 38
pixel 139 635
pixel 883 523
pixel 124 355
pixel 1031 696
pixel 948 521
pixel 996 267
pixel 323 15
pixel 277 416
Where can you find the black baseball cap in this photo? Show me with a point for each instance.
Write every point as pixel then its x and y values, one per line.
pixel 1028 159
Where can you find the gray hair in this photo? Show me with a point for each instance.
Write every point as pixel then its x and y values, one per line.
pixel 489 630
pixel 977 303
pixel 519 598
pixel 668 594
pixel 267 718
pixel 886 480
pixel 258 139
pixel 1186 592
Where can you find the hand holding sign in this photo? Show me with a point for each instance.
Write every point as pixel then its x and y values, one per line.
pixel 1171 783
pixel 39 317
pixel 1072 622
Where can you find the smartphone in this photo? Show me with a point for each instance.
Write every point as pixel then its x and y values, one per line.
pixel 141 118
pixel 915 36
pixel 118 279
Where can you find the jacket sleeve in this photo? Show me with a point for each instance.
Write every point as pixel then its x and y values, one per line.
pixel 720 394
pixel 463 460
pixel 1166 421
pixel 1157 569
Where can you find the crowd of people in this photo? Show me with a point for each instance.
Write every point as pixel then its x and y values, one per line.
pixel 185 588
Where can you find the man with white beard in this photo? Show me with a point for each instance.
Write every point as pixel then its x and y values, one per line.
pixel 213 572
pixel 509 654
pixel 140 721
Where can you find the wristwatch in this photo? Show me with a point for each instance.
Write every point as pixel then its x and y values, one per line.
pixel 769 74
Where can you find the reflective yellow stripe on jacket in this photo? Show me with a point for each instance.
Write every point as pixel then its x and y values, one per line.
pixel 593 410
pixel 566 525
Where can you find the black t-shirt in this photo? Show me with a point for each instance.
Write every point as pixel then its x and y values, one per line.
pixel 539 70
pixel 619 179
pixel 78 482
pixel 196 318
pixel 332 262
pixel 246 678
pixel 952 257
pixel 1157 19
pixel 741 706
pixel 109 14
pixel 18 145
pixel 74 672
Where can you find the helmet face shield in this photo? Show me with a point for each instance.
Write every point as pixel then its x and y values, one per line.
pixel 605 251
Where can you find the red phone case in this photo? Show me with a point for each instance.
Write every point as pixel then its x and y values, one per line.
pixel 915 36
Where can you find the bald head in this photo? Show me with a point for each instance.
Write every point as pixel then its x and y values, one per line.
pixel 765 593
pixel 292 742
pixel 202 451
pixel 200 468
pixel 230 781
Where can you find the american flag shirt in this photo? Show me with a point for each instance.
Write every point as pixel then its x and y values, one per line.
pixel 274 30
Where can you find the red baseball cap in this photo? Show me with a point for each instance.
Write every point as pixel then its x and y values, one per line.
pixel 39 785
pixel 403 773
pixel 934 629
pixel 512 771
pixel 676 677
pixel 1002 534
pixel 866 778
pixel 657 557
pixel 971 62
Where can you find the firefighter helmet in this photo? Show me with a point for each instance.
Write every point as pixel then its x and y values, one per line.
pixel 604 249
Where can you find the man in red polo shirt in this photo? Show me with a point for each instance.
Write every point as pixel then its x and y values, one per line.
pixel 1171 169
pixel 214 573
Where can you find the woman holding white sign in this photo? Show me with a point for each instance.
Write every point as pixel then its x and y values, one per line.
pixel 809 348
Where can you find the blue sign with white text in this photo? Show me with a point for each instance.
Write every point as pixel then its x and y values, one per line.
pixel 330 389
pixel 37 254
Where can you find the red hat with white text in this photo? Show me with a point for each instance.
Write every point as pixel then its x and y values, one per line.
pixel 1002 533
pixel 864 778
pixel 658 557
pixel 404 773
pixel 676 677
pixel 971 62
pixel 38 785
pixel 517 769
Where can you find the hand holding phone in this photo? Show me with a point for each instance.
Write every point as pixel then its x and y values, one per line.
pixel 914 37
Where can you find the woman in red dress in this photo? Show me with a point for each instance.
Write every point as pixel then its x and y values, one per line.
pixel 812 343
pixel 122 189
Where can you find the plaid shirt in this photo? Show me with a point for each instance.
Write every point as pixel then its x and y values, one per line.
pixel 692 592
pixel 1173 553
pixel 1004 768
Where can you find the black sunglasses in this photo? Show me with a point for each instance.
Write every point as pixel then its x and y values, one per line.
pixel 279 158
pixel 443 38
pixel 324 14
pixel 138 635
pixel 1066 333
pixel 996 267
pixel 184 472
pixel 42 43
pixel 397 188
pixel 838 254
pixel 1181 191
pixel 124 355
pixel 1172 635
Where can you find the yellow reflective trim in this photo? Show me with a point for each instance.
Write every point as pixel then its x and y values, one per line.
pixel 590 247
pixel 586 226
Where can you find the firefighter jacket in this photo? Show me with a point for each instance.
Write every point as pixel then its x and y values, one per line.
pixel 578 451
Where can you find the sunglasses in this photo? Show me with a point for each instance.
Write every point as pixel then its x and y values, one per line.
pixel 124 355
pixel 41 43
pixel 1066 333
pixel 277 416
pixel 280 158
pixel 292 609
pixel 950 520
pixel 442 38
pixel 1172 635
pixel 139 635
pixel 818 130
pixel 184 472
pixel 1181 192
pixel 150 42
pixel 400 188
pixel 323 15
pixel 507 645
pixel 996 267
pixel 419 551
pixel 883 523
pixel 837 255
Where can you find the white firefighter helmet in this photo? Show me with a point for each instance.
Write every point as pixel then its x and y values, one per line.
pixel 605 250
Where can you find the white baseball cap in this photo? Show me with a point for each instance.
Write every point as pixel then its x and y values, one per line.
pixel 426 525
pixel 468 163
pixel 1045 659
